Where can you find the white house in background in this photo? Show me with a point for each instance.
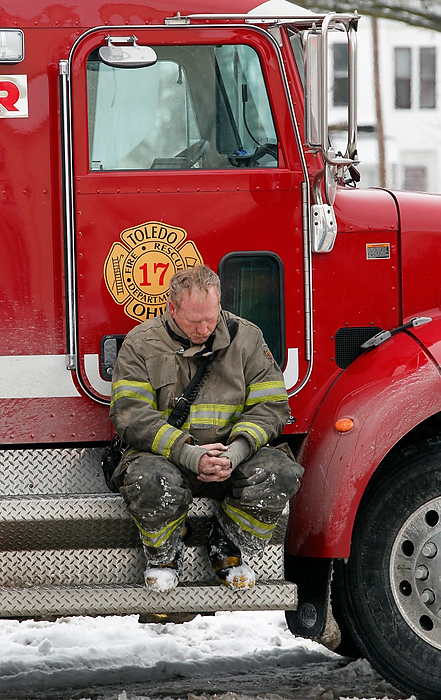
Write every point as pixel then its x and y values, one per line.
pixel 410 72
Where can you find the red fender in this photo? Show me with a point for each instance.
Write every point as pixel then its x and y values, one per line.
pixel 387 391
pixel 429 335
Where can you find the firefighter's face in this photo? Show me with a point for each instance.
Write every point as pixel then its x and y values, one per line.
pixel 197 314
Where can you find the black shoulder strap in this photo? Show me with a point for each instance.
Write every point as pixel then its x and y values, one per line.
pixel 180 412
pixel 232 325
pixel 174 336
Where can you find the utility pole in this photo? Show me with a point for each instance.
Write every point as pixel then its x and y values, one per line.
pixel 378 107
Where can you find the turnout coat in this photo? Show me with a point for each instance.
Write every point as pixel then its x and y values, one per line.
pixel 244 393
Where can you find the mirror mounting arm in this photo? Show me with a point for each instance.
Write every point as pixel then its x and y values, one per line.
pixel 124 52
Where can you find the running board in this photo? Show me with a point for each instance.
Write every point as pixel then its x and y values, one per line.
pixel 48 602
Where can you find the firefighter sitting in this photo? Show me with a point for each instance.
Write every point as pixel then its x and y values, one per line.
pixel 209 444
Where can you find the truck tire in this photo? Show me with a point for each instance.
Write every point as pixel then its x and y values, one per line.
pixel 347 645
pixel 389 590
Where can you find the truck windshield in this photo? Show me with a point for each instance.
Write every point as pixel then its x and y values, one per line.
pixel 197 107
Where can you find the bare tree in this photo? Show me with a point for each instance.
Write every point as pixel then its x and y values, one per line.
pixel 421 13
pixel 378 106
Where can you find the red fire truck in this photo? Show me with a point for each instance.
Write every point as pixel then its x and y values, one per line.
pixel 138 139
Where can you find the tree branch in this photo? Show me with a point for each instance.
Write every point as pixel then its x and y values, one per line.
pixel 421 13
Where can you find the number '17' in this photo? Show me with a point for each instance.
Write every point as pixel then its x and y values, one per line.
pixel 156 266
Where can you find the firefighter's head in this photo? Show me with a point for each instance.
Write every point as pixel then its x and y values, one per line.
pixel 195 301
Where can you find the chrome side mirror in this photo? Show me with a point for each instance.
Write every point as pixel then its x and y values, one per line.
pixel 317 89
pixel 125 56
pixel 313 89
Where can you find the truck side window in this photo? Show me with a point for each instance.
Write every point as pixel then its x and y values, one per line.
pixel 136 115
pixel 245 131
pixel 253 287
pixel 296 42
pixel 196 107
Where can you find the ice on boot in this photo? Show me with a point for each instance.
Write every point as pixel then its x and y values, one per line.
pixel 165 577
pixel 240 577
pixel 161 578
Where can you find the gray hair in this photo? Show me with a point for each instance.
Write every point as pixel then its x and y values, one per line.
pixel 200 277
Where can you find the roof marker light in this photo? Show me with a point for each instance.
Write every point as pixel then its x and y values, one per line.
pixel 11 45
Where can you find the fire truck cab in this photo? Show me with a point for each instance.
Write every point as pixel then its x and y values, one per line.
pixel 141 139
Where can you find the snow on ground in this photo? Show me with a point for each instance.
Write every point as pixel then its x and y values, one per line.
pixel 229 656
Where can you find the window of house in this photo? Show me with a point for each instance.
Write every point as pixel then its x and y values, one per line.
pixel 403 78
pixel 422 66
pixel 415 178
pixel 340 83
pixel 252 287
pixel 196 107
pixel 427 66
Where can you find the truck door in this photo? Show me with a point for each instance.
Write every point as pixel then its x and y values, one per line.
pixel 180 149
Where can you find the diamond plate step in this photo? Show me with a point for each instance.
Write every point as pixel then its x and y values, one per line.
pixel 92 540
pixel 69 547
pixel 56 601
pixel 51 471
pixel 100 520
pixel 114 567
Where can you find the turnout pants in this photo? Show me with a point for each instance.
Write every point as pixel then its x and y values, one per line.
pixel 158 495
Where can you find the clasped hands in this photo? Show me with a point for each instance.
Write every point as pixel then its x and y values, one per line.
pixel 213 465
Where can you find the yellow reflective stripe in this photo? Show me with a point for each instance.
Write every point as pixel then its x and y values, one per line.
pixel 140 391
pixel 156 539
pixel 265 391
pixel 164 440
pixel 258 433
pixel 262 531
pixel 213 414
pixel 216 408
pixel 202 415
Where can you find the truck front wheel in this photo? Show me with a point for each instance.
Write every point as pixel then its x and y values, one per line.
pixel 389 590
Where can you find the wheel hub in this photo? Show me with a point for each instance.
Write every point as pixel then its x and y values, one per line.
pixel 415 571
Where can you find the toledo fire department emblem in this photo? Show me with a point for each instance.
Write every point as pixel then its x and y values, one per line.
pixel 138 273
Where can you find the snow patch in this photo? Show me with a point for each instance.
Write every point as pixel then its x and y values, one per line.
pixel 37 658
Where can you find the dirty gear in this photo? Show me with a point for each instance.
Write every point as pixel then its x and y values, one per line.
pixel 243 397
pixel 157 496
pixel 244 393
pixel 165 577
pixel 261 488
pixel 226 560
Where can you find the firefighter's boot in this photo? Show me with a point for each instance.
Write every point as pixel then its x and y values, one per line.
pixel 165 577
pixel 226 560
